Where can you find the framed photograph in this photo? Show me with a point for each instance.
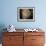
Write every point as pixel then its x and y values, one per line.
pixel 25 14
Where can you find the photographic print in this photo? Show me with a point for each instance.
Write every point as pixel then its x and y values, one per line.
pixel 26 14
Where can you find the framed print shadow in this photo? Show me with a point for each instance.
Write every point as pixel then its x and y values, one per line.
pixel 26 14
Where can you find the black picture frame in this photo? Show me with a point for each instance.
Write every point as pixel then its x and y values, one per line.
pixel 26 14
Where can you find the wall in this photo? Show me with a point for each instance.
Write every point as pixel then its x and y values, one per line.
pixel 9 13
